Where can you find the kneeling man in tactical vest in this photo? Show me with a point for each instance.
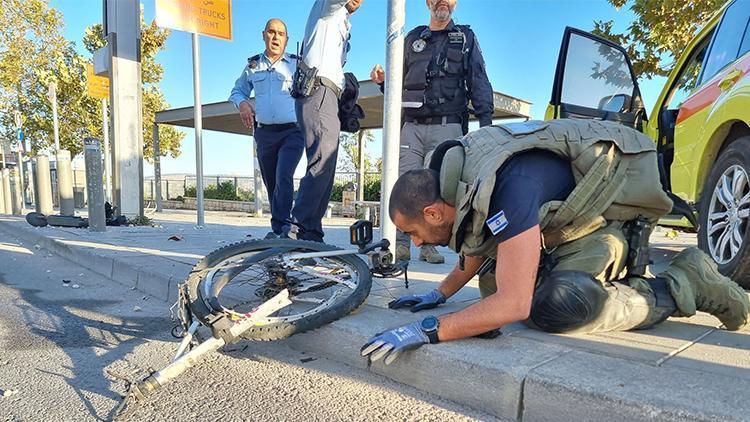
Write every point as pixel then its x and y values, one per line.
pixel 548 214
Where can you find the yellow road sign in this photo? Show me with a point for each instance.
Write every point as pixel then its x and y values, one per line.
pixel 97 86
pixel 205 17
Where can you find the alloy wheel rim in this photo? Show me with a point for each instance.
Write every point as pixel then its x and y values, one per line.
pixel 728 214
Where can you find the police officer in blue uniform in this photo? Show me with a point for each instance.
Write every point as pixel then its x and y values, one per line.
pixel 324 51
pixel 279 140
pixel 443 70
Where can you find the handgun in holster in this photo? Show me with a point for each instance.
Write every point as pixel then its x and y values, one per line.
pixel 305 80
pixel 638 231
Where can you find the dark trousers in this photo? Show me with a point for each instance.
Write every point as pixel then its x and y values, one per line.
pixel 278 156
pixel 317 116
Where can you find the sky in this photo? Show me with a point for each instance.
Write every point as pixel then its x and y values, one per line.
pixel 520 40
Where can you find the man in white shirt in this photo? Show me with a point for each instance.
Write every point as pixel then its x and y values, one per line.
pixel 325 47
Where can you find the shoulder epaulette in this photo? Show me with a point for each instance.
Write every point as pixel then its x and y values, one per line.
pixel 294 56
pixel 255 58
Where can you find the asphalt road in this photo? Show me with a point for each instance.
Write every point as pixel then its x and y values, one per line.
pixel 58 339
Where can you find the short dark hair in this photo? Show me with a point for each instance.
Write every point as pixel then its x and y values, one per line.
pixel 413 191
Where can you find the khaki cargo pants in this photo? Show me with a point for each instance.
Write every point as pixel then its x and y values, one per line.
pixel 630 303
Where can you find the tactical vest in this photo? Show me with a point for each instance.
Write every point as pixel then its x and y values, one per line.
pixel 435 79
pixel 614 168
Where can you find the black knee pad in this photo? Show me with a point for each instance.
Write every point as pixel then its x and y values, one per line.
pixel 566 300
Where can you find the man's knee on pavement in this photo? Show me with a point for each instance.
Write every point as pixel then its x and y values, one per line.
pixel 566 300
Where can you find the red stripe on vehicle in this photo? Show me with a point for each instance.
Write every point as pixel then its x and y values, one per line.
pixel 709 93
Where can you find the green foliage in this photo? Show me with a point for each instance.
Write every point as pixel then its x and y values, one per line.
pixel 661 31
pixel 372 190
pixel 140 220
pixel 34 53
pixel 225 191
pixel 349 145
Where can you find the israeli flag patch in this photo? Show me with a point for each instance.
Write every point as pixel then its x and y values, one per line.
pixel 497 222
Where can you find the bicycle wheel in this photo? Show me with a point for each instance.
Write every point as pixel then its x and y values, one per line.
pixel 237 278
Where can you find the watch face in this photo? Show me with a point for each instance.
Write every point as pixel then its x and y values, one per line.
pixel 430 323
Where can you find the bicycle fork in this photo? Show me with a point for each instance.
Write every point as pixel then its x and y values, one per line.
pixel 139 391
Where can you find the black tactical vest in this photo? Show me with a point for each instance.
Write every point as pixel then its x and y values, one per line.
pixel 436 66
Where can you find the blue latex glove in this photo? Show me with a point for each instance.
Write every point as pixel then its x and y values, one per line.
pixel 419 302
pixel 391 343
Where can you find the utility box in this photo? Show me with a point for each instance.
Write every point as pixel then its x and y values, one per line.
pixel 348 197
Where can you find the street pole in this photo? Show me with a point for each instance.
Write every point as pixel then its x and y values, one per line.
pixel 157 169
pixel 52 94
pixel 198 118
pixel 392 116
pixel 19 165
pixel 107 158
pixel 258 186
pixel 361 173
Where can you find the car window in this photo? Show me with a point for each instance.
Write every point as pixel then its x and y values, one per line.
pixel 596 76
pixel 745 47
pixel 688 79
pixel 726 44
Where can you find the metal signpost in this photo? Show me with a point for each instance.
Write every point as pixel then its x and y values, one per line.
pixel 394 67
pixel 52 95
pixel 199 17
pixel 19 164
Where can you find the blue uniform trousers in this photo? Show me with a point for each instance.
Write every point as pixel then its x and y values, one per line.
pixel 279 153
pixel 318 119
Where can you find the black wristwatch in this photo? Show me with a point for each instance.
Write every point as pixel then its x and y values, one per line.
pixel 430 327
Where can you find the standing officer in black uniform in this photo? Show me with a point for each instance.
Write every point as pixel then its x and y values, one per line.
pixel 443 70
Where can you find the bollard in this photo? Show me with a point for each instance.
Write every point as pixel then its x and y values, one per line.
pixel 94 186
pixel 17 195
pixel 65 183
pixel 2 195
pixel 7 198
pixel 43 192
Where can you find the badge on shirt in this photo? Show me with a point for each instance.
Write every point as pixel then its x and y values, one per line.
pixel 419 45
pixel 253 64
pixel 456 38
pixel 497 223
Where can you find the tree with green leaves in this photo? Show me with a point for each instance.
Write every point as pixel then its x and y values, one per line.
pixel 660 32
pixel 33 51
pixel 349 145
pixel 153 40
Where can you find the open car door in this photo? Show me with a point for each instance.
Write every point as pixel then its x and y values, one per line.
pixel 595 80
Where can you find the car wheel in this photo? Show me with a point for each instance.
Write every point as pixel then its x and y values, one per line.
pixel 725 212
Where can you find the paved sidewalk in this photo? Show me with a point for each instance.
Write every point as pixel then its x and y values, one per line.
pixel 685 369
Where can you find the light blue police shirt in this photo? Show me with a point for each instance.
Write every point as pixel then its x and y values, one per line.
pixel 327 39
pixel 272 83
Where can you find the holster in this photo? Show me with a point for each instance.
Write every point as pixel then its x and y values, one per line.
pixel 305 80
pixel 638 232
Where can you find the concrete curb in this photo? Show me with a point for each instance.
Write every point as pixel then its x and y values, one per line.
pixel 511 377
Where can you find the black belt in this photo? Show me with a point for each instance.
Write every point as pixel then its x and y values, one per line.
pixel 277 127
pixel 435 120
pixel 329 83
